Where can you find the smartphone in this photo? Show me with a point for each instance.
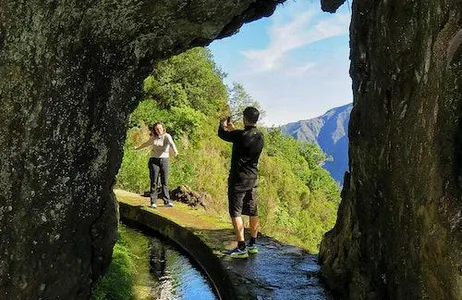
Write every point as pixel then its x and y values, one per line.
pixel 228 120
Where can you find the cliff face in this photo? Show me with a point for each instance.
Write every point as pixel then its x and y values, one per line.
pixel 70 74
pixel 399 228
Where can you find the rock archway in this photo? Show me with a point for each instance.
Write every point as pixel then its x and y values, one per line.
pixel 68 72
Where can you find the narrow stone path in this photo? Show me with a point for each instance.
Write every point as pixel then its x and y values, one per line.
pixel 278 271
pixel 180 213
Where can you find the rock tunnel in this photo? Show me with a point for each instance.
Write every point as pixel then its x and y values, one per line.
pixel 67 72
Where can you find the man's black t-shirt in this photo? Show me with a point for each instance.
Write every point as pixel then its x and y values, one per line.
pixel 247 147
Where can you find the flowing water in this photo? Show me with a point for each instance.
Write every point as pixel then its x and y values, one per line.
pixel 163 272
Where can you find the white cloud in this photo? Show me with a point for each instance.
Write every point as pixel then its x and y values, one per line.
pixel 291 98
pixel 297 71
pixel 301 89
pixel 301 30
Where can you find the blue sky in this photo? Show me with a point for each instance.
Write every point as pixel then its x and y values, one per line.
pixel 294 63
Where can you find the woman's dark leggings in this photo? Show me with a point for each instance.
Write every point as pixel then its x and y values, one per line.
pixel 159 166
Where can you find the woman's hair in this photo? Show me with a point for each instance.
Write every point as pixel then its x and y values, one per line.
pixel 152 128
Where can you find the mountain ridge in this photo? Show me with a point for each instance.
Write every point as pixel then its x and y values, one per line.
pixel 330 132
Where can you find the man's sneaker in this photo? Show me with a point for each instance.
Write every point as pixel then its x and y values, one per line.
pixel 153 205
pixel 238 253
pixel 169 204
pixel 253 249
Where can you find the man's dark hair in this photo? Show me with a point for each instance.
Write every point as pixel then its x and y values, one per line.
pixel 251 114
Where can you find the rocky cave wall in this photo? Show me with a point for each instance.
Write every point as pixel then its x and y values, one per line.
pixel 399 228
pixel 70 73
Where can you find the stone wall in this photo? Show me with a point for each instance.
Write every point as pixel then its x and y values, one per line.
pixel 399 228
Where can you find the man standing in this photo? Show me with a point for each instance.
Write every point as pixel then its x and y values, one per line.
pixel 242 180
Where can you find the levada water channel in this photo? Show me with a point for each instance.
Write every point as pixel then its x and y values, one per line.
pixel 163 272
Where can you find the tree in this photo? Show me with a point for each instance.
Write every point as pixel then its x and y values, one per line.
pixel 190 79
pixel 239 99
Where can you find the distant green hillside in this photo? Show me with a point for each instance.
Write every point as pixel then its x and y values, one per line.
pixel 298 199
pixel 330 132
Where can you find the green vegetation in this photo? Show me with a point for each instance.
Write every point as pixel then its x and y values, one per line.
pixel 118 281
pixel 298 199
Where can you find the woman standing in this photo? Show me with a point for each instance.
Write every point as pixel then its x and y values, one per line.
pixel 158 164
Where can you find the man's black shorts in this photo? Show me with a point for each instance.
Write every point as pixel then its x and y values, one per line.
pixel 242 202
